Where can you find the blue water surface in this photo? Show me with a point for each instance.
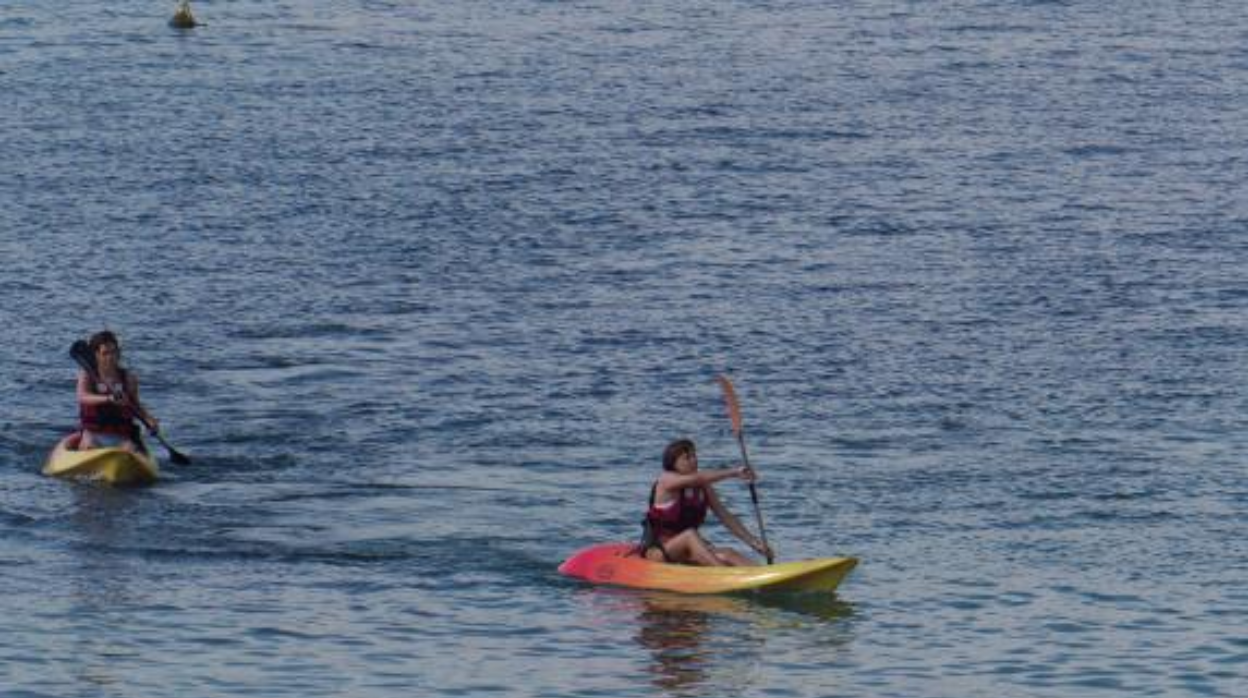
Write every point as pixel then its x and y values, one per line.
pixel 425 288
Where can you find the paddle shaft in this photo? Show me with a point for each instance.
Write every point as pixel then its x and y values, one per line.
pixel 81 354
pixel 758 511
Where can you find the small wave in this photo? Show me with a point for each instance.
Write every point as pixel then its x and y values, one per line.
pixel 1097 150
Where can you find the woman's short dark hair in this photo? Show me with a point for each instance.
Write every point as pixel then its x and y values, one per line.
pixel 675 450
pixel 99 339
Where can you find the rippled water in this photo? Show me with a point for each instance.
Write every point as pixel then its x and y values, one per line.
pixel 426 287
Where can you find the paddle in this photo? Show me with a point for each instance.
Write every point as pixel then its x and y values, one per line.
pixel 81 353
pixel 734 414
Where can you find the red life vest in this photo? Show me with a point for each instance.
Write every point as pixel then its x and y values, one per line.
pixel 109 418
pixel 686 511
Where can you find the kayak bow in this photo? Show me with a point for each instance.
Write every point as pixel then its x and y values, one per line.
pixel 115 466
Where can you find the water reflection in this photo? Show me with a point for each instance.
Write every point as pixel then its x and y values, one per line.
pixel 676 631
pixel 821 607
pixel 105 583
pixel 719 640
pixel 705 642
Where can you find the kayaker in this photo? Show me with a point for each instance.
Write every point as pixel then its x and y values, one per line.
pixel 679 502
pixel 108 402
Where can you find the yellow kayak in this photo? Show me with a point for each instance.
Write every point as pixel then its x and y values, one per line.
pixel 115 466
pixel 618 564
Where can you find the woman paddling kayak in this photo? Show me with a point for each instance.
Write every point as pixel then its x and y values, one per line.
pixel 108 399
pixel 679 502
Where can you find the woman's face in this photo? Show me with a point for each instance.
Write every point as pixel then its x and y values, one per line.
pixel 687 462
pixel 107 355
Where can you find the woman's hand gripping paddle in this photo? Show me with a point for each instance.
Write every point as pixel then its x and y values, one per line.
pixel 81 353
pixel 734 414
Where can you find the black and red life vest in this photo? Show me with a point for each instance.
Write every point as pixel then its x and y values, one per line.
pixel 686 511
pixel 108 418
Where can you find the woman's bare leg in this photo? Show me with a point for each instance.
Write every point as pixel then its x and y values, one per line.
pixel 688 546
pixel 733 558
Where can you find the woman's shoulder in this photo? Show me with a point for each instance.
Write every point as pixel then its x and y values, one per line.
pixel 668 481
pixel 676 481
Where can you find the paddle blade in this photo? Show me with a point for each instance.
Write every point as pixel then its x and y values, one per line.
pixel 730 400
pixel 175 455
pixel 81 353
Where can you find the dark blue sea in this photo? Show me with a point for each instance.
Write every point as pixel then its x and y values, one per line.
pixel 424 289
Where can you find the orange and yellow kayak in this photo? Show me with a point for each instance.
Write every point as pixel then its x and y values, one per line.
pixel 620 565
pixel 115 466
